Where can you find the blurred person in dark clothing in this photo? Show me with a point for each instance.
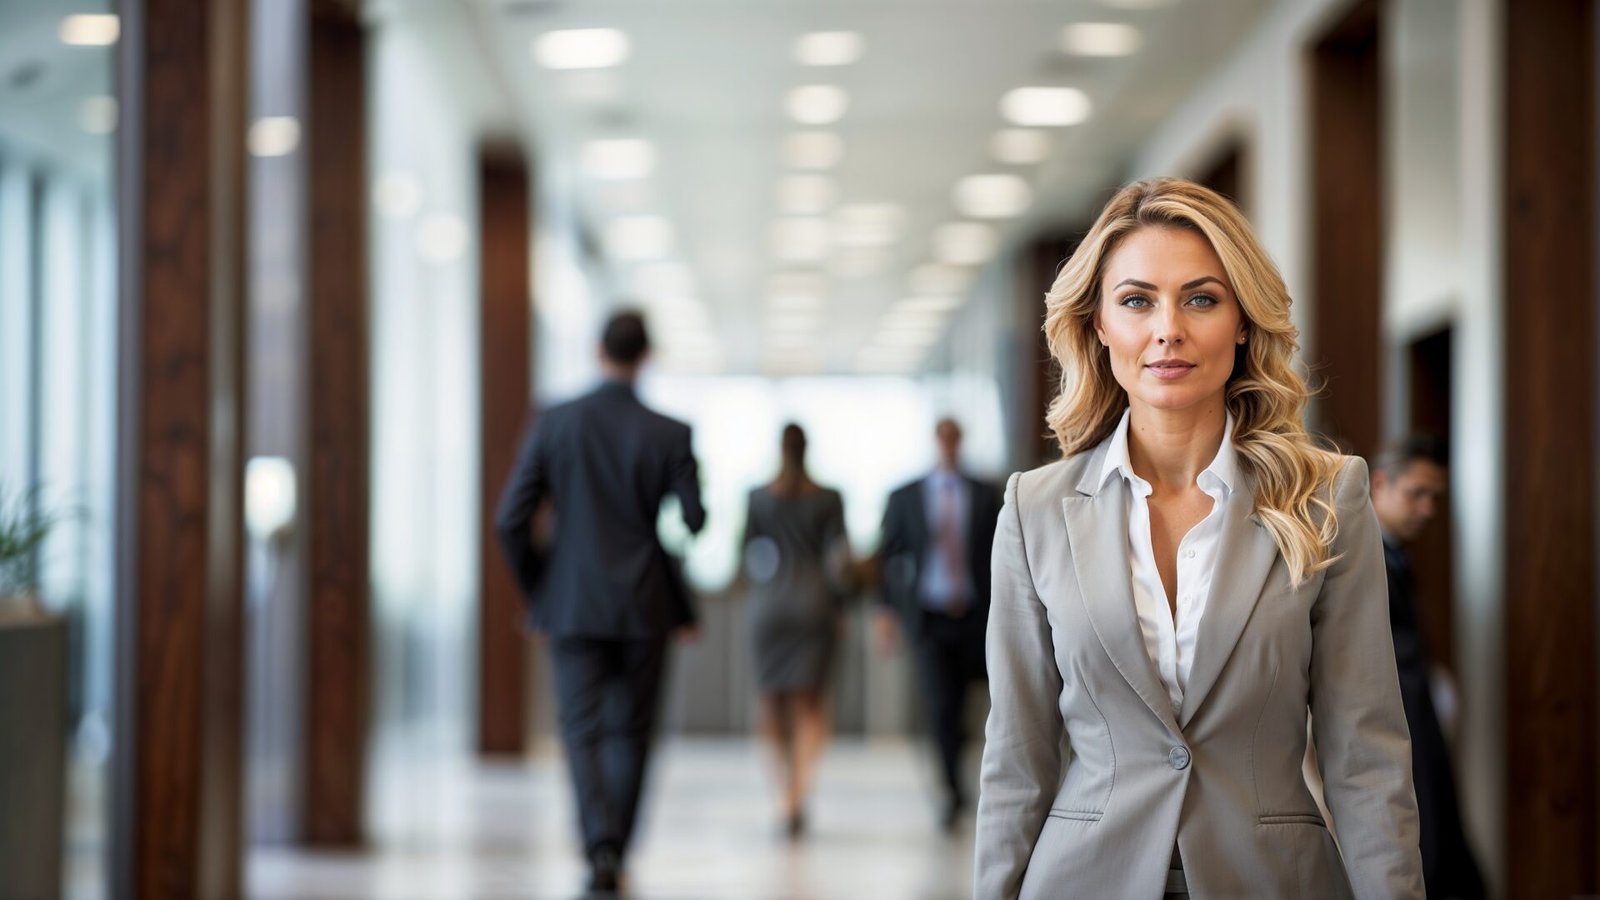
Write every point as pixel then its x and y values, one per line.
pixel 796 562
pixel 938 532
pixel 1407 481
pixel 606 592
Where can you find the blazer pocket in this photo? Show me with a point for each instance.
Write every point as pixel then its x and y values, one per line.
pixel 1077 815
pixel 1293 819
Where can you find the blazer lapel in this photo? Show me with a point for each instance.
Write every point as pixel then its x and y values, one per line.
pixel 1244 560
pixel 1097 526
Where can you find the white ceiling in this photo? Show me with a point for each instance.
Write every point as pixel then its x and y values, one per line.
pixel 51 94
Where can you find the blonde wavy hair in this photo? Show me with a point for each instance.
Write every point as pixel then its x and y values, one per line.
pixel 1265 394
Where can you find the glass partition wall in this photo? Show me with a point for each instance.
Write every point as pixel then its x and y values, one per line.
pixel 58 115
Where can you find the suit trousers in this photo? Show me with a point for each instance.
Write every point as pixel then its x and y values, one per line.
pixel 608 694
pixel 950 655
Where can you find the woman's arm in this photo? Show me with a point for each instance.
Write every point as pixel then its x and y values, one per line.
pixel 1358 724
pixel 1023 748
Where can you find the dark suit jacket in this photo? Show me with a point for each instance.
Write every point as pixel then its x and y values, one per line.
pixel 907 541
pixel 607 463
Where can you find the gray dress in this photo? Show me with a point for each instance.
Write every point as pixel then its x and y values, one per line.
pixel 791 546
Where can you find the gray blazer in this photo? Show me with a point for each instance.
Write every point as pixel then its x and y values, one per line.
pixel 1090 777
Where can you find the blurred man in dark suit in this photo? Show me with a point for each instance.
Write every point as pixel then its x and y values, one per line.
pixel 938 533
pixel 605 592
pixel 1407 481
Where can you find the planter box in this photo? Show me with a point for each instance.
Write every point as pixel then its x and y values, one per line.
pixel 33 746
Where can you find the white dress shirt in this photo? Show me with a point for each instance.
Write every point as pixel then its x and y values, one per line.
pixel 944 493
pixel 1171 645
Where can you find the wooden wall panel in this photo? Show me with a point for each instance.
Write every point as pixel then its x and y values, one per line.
pixel 177 785
pixel 1550 290
pixel 338 613
pixel 506 243
pixel 1347 228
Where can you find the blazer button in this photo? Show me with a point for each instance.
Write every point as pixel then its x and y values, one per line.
pixel 1178 758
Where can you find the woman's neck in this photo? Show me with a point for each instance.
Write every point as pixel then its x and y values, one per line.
pixel 1171 447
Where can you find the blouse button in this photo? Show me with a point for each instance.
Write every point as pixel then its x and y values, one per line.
pixel 1191 554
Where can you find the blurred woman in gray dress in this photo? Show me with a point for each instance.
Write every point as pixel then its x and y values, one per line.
pixel 796 560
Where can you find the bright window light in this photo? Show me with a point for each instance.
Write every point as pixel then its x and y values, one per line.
pixel 1045 106
pixel 581 48
pixel 828 48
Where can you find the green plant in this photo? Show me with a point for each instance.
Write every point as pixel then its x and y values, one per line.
pixel 25 522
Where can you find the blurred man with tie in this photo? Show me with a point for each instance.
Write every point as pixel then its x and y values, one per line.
pixel 937 535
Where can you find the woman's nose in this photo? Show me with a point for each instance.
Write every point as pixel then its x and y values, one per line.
pixel 1169 327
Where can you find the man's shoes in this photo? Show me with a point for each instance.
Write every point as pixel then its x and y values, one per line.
pixel 605 873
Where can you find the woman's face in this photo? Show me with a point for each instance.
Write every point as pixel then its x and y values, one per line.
pixel 1169 318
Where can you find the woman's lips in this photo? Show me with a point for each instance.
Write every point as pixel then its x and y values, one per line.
pixel 1170 370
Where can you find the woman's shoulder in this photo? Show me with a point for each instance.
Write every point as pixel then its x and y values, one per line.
pixel 1052 481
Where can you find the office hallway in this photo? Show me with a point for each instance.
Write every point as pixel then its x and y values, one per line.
pixel 461 830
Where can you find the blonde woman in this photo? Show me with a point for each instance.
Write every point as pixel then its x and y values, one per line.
pixel 1175 597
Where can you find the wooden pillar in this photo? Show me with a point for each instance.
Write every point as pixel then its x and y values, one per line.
pixel 176 787
pixel 1347 224
pixel 505 296
pixel 338 614
pixel 1550 290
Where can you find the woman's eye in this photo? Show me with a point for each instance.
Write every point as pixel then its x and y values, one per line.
pixel 1135 301
pixel 1203 300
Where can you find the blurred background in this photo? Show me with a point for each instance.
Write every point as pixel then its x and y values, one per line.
pixel 283 281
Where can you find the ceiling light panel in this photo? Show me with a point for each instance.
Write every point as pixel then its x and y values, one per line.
pixel 90 30
pixel 1020 146
pixel 867 224
pixel 828 48
pixel 397 195
pixel 273 136
pixel 1101 39
pixel 813 150
pixel 617 159
pixel 638 237
pixel 805 195
pixel 992 196
pixel 1045 106
pixel 800 240
pixel 581 48
pixel 964 243
pixel 817 104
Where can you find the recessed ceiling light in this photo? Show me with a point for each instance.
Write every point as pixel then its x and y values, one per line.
pixel 618 158
pixel 934 278
pixel 964 243
pixel 1020 146
pixel 581 48
pixel 813 150
pixel 828 48
pixel 1101 39
pixel 800 240
pixel 90 30
pixel 817 104
pixel 397 195
pixel 274 136
pixel 1045 106
pixel 442 238
pixel 638 237
pixel 98 115
pixel 992 196
pixel 867 224
pixel 803 195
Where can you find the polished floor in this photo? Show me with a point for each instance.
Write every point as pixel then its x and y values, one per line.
pixel 464 830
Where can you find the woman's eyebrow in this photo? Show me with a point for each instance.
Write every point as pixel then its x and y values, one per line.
pixel 1188 286
pixel 1136 283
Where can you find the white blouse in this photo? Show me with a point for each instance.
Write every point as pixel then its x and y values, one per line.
pixel 1171 645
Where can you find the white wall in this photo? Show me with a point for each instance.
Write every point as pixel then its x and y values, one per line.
pixel 1442 253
